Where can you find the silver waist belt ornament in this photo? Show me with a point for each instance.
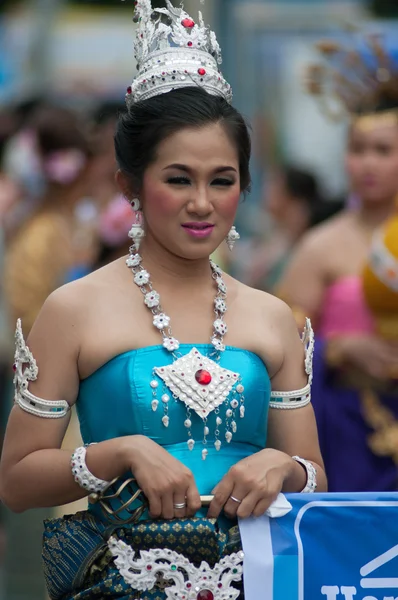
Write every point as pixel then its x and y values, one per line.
pixel 142 570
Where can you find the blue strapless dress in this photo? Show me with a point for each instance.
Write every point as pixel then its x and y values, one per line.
pixel 116 401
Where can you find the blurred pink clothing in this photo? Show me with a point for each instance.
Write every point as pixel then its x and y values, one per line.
pixel 345 309
pixel 115 222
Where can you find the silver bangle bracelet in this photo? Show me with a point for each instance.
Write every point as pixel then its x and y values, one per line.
pixel 82 475
pixel 311 484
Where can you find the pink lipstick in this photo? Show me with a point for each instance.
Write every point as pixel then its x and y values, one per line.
pixel 198 230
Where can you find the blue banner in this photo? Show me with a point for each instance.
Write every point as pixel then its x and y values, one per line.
pixel 328 547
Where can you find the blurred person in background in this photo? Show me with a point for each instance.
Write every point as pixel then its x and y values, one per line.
pixel 51 239
pixel 102 173
pixel 10 194
pixel 354 361
pixel 45 248
pixel 21 163
pixel 294 202
pixel 114 226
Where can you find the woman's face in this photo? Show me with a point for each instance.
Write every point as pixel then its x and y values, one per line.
pixel 190 193
pixel 372 162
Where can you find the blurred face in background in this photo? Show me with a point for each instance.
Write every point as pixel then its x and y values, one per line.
pixel 278 198
pixel 372 161
pixel 289 210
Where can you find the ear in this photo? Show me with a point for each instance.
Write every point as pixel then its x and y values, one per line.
pixel 124 184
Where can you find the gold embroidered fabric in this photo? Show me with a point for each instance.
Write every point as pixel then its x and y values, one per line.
pixel 384 440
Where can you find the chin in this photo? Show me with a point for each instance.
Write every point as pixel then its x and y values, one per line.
pixel 375 197
pixel 197 250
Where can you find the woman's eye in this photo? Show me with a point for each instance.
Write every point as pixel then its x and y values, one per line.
pixel 179 180
pixel 356 149
pixel 222 181
pixel 384 150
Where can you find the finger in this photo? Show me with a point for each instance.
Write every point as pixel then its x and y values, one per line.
pixel 168 506
pixel 179 505
pixel 249 503
pixel 193 501
pixel 221 494
pixel 268 494
pixel 262 506
pixel 260 498
pixel 155 506
pixel 235 500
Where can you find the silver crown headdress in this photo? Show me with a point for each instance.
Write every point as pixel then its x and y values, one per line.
pixel 172 51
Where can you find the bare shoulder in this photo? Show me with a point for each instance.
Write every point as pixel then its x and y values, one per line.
pixel 71 305
pixel 269 307
pixel 322 237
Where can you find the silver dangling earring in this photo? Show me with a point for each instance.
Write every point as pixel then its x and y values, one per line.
pixel 137 231
pixel 232 237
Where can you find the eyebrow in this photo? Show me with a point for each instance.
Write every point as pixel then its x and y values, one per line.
pixel 181 167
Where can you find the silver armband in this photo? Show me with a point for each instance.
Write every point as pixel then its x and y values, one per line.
pixel 298 398
pixel 311 484
pixel 26 370
pixel 83 476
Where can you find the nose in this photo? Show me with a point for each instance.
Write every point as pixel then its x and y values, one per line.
pixel 200 202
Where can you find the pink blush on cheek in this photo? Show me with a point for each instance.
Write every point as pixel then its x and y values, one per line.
pixel 160 201
pixel 228 206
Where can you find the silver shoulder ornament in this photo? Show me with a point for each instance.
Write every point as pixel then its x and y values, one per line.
pixel 26 371
pixel 299 398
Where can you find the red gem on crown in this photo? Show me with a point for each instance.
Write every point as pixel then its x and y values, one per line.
pixel 203 377
pixel 188 23
pixel 189 44
pixel 202 72
pixel 129 90
pixel 205 595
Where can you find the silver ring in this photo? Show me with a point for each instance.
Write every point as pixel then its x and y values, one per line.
pixel 180 506
pixel 235 500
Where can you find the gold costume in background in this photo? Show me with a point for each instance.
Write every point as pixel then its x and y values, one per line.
pixel 37 261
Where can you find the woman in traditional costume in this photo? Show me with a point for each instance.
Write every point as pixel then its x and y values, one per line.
pixel 335 278
pixel 164 405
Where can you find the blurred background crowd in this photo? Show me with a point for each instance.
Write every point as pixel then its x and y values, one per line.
pixel 64 68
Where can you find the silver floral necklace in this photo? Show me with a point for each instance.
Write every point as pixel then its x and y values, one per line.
pixel 194 379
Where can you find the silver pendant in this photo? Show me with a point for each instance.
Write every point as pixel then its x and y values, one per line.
pixel 198 381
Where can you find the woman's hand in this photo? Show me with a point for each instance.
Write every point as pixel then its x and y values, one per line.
pixel 372 355
pixel 254 482
pixel 164 480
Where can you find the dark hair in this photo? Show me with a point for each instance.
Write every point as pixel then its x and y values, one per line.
pixel 147 123
pixel 107 112
pixel 58 129
pixel 301 185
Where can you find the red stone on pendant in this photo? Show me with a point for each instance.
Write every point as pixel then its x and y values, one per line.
pixel 202 72
pixel 205 595
pixel 203 377
pixel 189 44
pixel 188 23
